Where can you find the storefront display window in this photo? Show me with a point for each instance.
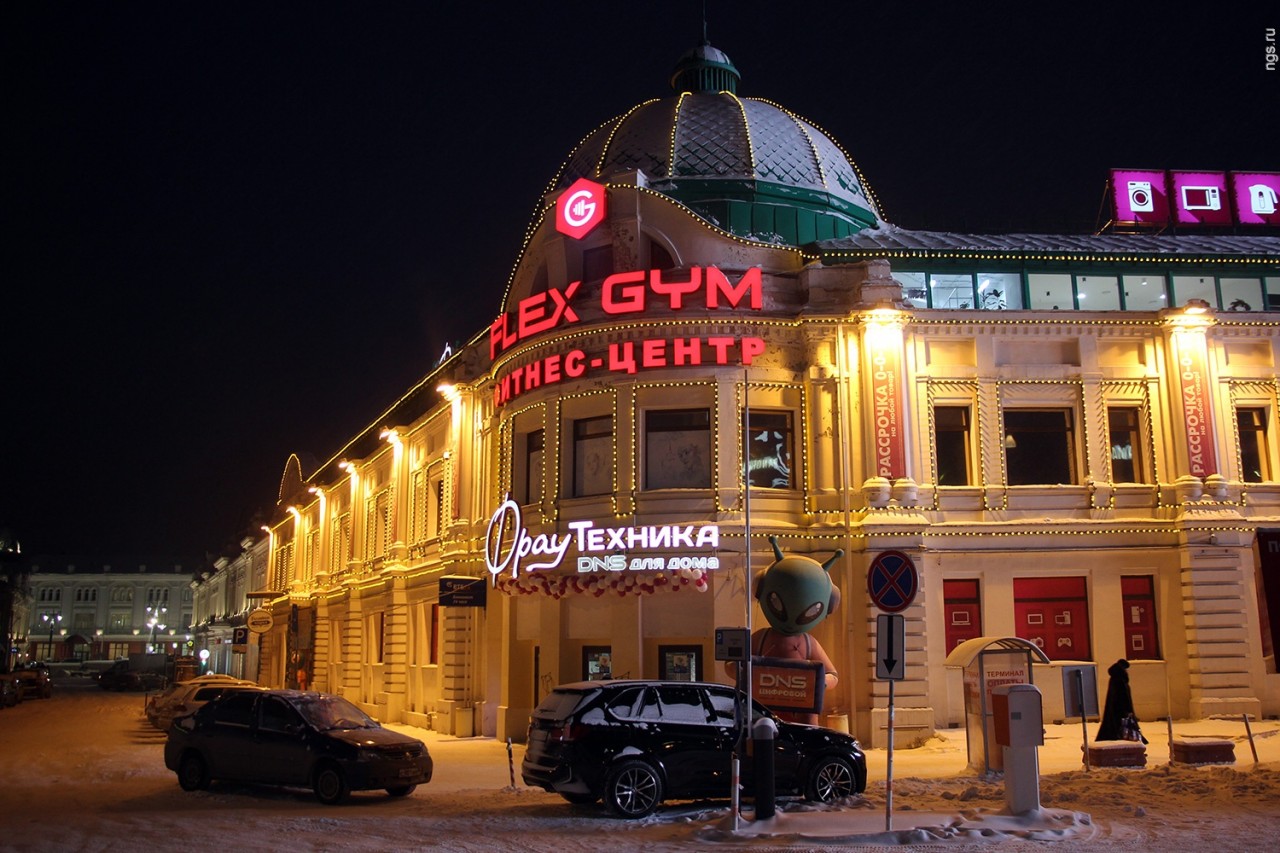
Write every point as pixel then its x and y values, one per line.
pixel 769 442
pixel 1039 447
pixel 1053 613
pixel 597 663
pixel 1188 287
pixel 679 663
pixel 962 610
pixel 951 291
pixel 593 456
pixel 677 449
pixel 1142 640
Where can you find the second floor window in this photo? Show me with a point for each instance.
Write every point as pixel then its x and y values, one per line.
pixel 533 450
pixel 769 444
pixel 1251 429
pixel 1126 446
pixel 677 444
pixel 1039 447
pixel 593 456
pixel 951 443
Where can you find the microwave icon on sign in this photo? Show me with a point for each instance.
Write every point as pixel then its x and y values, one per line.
pixel 1201 198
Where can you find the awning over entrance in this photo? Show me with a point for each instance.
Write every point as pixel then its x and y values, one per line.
pixel 965 653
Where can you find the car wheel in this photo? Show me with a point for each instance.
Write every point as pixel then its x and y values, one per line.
pixel 831 779
pixel 330 785
pixel 633 789
pixel 401 790
pixel 193 773
pixel 579 799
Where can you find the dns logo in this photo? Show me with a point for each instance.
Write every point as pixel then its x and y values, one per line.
pixel 580 208
pixel 787 682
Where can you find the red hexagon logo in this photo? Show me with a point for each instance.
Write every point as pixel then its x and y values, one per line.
pixel 580 208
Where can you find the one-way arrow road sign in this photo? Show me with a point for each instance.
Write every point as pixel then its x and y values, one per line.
pixel 891 646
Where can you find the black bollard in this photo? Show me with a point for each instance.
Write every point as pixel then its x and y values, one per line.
pixel 762 733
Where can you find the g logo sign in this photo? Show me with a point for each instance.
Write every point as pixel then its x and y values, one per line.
pixel 580 208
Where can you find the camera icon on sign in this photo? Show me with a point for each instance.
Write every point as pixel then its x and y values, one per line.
pixel 1141 198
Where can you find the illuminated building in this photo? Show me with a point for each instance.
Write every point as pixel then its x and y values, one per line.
pixel 1073 437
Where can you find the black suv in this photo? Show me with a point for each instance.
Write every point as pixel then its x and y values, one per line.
pixel 635 743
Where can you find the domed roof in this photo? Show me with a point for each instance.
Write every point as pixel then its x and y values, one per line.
pixel 725 156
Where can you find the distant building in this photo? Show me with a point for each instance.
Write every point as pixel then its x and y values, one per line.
pixel 711 337
pixel 86 610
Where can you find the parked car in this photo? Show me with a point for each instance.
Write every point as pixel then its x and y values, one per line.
pixel 185 697
pixel 120 676
pixel 636 743
pixel 33 681
pixel 10 691
pixel 296 739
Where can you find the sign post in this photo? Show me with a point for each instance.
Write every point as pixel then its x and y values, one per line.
pixel 892 582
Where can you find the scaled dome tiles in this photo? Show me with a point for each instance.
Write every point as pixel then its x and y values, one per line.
pixel 743 145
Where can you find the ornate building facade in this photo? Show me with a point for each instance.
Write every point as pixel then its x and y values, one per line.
pixel 712 337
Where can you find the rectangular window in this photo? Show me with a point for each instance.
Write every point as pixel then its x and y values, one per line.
pixel 1053 613
pixel 1144 292
pixel 679 663
pixel 433 656
pixel 952 445
pixel 418 506
pixel 1187 287
pixel 1242 294
pixel 962 610
pixel 533 449
pixel 769 441
pixel 998 291
pixel 678 449
pixel 1251 430
pixel 593 456
pixel 119 621
pixel 1142 640
pixel 1039 447
pixel 597 663
pixel 913 288
pixel 437 491
pixel 951 291
pixel 1051 291
pixel 340 547
pixel 1098 292
pixel 1126 446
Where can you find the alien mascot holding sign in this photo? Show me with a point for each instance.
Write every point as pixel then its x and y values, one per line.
pixel 790 670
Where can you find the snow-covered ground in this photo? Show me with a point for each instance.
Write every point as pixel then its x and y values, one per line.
pixel 83 771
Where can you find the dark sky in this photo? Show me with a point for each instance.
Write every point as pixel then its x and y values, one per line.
pixel 238 230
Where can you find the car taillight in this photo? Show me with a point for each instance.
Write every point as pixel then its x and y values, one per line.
pixel 566 733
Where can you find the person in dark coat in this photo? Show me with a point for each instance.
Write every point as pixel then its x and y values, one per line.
pixel 1118 719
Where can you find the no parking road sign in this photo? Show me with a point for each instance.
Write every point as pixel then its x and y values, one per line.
pixel 892 581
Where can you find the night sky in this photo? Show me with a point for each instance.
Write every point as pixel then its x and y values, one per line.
pixel 239 230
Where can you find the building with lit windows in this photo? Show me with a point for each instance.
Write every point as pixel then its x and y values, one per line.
pixel 81 610
pixel 711 337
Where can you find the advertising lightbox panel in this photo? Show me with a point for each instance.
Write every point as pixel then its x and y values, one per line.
pixel 1140 196
pixel 1200 198
pixel 1257 197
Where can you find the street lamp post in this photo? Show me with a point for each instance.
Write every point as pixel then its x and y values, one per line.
pixel 53 619
pixel 153 622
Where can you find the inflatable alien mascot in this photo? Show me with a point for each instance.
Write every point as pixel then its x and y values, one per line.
pixel 796 594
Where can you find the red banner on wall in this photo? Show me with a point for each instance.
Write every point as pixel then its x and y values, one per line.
pixel 1197 410
pixel 886 406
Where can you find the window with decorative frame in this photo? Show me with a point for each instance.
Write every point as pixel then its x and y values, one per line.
pixel 340 544
pixel 1040 446
pixel 377 529
pixel 593 456
pixel 677 445
pixel 1255 451
pixel 1127 453
pixel 770 442
pixel 952 442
